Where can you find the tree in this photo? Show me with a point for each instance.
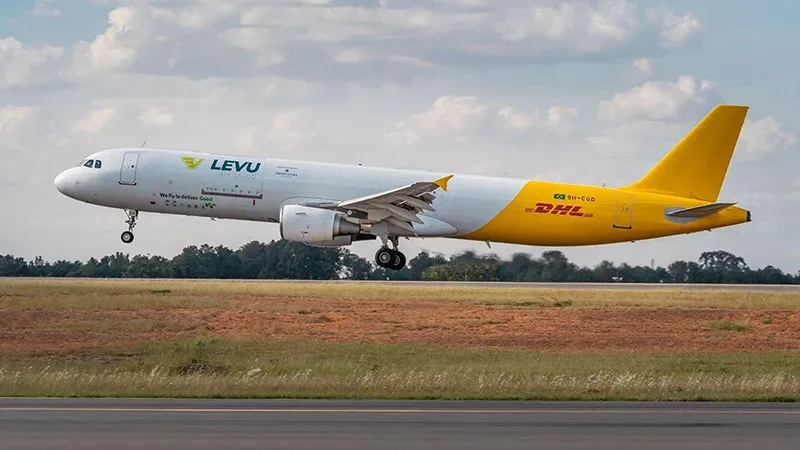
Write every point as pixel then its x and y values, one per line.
pixel 462 272
pixel 356 267
pixel 418 265
pixel 149 267
pixel 252 260
pixel 292 260
pixel 556 267
pixel 13 267
pixel 685 272
pixel 605 271
pixel 288 260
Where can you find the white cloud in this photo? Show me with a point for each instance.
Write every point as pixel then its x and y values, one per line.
pixel 648 119
pixel 558 115
pixel 644 66
pixel 12 117
pixel 762 137
pixel 463 118
pixel 580 27
pixel 305 39
pixel 350 56
pixel 202 15
pixel 676 30
pixel 657 100
pixel 558 119
pixel 450 117
pixel 116 48
pixel 17 124
pixel 411 61
pixel 156 116
pixel 517 121
pixel 288 130
pixel 641 138
pixel 45 8
pixel 465 3
pixel 23 65
pixel 94 121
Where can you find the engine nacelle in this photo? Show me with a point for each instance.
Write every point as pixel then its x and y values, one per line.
pixel 316 226
pixel 338 241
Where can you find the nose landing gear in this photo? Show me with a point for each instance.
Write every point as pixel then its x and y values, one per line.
pixel 127 236
pixel 390 258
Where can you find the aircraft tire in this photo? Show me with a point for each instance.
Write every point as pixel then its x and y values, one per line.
pixel 127 237
pixel 398 261
pixel 384 257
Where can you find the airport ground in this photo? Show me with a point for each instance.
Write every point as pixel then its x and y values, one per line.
pixel 171 338
pixel 87 424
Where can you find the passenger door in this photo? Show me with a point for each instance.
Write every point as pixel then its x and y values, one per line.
pixel 127 173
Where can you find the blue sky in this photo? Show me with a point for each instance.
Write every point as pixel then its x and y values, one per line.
pixel 587 91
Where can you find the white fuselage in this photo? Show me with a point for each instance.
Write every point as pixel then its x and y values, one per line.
pixel 244 188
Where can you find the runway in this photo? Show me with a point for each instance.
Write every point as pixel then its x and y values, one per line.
pixel 789 288
pixel 73 424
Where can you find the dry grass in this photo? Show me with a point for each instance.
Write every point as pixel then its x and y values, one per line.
pixel 99 294
pixel 114 294
pixel 221 368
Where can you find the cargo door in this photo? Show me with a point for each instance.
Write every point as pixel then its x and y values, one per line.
pixel 623 217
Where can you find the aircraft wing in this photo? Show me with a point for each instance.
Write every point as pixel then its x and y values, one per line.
pixel 700 211
pixel 397 206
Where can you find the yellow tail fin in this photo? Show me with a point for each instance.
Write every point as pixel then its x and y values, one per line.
pixel 696 166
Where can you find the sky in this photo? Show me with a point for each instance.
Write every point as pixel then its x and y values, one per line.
pixel 585 91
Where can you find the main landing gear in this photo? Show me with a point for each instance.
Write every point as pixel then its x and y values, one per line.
pixel 127 236
pixel 390 258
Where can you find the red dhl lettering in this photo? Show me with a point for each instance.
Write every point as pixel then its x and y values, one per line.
pixel 561 210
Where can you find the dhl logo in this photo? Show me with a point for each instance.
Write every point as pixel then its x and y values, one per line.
pixel 563 210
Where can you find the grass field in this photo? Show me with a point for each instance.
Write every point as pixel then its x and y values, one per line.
pixel 207 339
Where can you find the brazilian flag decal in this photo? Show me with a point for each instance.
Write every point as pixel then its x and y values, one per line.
pixel 559 196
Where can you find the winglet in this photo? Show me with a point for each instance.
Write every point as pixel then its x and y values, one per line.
pixel 442 182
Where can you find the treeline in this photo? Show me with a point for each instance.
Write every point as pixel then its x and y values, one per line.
pixel 287 260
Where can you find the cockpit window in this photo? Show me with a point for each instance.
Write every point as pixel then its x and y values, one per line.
pixel 97 164
pixel 89 163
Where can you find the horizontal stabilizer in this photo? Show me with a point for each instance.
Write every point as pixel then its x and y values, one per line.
pixel 700 211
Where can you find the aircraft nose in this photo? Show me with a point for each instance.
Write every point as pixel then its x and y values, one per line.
pixel 65 181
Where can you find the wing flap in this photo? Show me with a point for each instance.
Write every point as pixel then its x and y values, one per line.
pixel 400 207
pixel 414 190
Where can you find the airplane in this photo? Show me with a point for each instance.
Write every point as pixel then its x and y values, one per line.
pixel 335 205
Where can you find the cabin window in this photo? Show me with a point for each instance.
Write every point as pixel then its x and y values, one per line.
pixel 89 163
pixel 98 164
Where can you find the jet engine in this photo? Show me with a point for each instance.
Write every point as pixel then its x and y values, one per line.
pixel 317 227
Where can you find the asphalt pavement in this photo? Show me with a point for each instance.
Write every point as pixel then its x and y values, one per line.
pixel 72 424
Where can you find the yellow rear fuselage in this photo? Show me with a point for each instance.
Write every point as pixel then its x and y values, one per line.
pixel 557 214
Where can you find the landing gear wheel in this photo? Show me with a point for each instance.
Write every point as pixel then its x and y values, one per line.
pixel 390 259
pixel 127 236
pixel 384 257
pixel 399 261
